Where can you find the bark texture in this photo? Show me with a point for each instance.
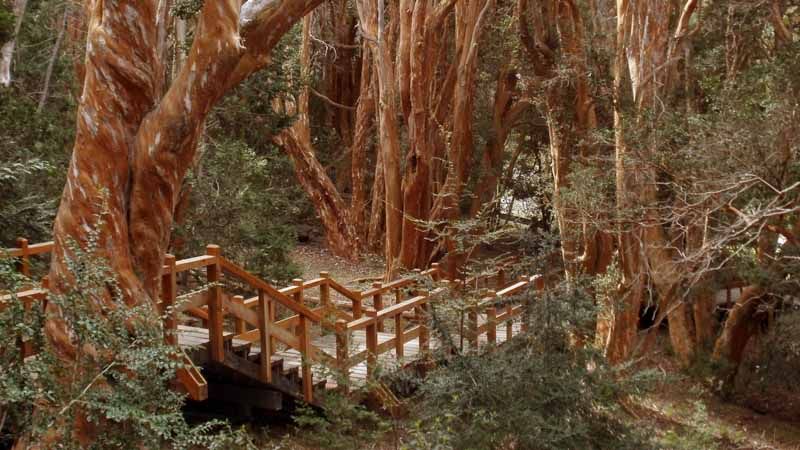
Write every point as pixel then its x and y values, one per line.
pixel 296 142
pixel 136 137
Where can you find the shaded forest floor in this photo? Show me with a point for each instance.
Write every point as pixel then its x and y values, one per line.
pixel 686 414
pixel 314 257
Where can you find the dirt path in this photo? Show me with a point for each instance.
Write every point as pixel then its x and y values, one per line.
pixel 315 258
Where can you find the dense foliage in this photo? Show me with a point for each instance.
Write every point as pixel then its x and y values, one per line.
pixel 539 391
pixel 121 374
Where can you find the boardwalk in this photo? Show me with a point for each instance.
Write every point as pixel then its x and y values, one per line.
pixel 252 338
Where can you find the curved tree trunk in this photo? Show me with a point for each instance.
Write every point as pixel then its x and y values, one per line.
pixel 343 240
pixel 506 110
pixel 738 329
pixel 133 146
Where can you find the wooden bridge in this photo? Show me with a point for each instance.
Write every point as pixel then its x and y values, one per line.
pixel 253 344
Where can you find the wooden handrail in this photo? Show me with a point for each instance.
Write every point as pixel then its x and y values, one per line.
pixel 257 283
pixel 352 295
pixel 396 284
pixel 31 250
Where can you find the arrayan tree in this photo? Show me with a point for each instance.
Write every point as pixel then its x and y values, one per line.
pixel 137 131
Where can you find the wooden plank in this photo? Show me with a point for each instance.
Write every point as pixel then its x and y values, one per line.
pixel 305 350
pixel 29 295
pixel 41 248
pixel 396 284
pixel 325 290
pixel 399 337
pixel 342 348
pixel 285 336
pixel 193 301
pixel 193 381
pixel 389 312
pixel 216 316
pixel 32 249
pixel 372 348
pixel 352 295
pixel 377 303
pixel 169 289
pixel 198 313
pixel 513 289
pixel 240 311
pixel 310 284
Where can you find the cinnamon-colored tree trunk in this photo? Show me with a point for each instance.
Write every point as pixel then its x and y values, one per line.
pixel 296 141
pixel 136 137
pixel 552 34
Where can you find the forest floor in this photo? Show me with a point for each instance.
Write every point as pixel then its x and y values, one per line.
pixel 313 258
pixel 686 414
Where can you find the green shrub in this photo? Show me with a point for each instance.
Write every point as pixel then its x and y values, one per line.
pixel 341 424
pixel 119 378
pixel 538 391
pixel 7 22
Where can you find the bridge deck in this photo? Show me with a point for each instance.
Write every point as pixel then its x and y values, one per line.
pixel 194 338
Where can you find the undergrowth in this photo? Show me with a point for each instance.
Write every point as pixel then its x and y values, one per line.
pixel 117 382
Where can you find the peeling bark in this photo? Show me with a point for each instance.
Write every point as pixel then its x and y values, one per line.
pixel 134 143
pixel 365 119
pixel 296 142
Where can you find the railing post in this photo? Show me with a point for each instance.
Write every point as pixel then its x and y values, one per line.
pixel 357 307
pixel 325 290
pixel 240 326
pixel 305 353
pixel 510 322
pixel 472 327
pixel 24 264
pixel 342 352
pixel 298 297
pixel 216 342
pixel 399 337
pixel 491 320
pixel 436 275
pixel 501 278
pixel 538 283
pixel 424 327
pixel 169 291
pixel 264 324
pixel 377 302
pixel 372 347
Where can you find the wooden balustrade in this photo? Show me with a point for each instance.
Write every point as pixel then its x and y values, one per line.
pixel 255 319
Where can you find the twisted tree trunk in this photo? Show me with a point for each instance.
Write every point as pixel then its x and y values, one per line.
pixel 134 143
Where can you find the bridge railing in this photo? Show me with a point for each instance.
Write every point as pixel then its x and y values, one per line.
pixel 276 317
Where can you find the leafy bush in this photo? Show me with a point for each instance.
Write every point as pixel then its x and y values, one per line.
pixel 118 379
pixel 7 20
pixel 539 391
pixel 240 205
pixel 766 380
pixel 342 424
